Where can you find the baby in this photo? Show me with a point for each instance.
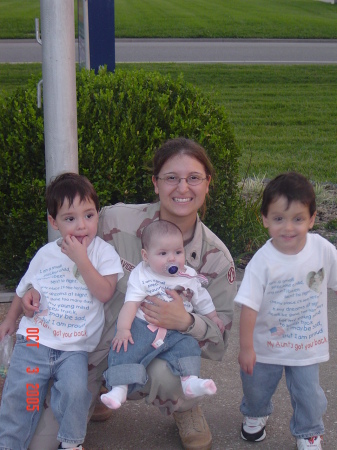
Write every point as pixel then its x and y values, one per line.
pixel 162 269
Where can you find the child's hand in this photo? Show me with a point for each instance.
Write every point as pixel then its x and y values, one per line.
pixel 122 338
pixel 219 323
pixel 73 248
pixel 31 302
pixel 247 360
pixel 8 326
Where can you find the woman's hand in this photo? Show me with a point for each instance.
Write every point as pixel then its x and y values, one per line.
pixel 219 324
pixel 8 326
pixel 170 315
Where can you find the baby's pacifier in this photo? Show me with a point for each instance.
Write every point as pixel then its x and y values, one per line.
pixel 172 269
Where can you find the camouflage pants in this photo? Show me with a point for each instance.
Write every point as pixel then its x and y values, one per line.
pixel 163 390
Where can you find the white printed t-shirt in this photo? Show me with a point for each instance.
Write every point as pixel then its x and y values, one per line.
pixel 143 282
pixel 69 318
pixel 290 294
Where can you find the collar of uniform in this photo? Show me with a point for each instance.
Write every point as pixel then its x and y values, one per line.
pixel 153 210
pixel 193 248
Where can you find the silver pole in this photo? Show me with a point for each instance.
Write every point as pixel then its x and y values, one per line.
pixel 59 88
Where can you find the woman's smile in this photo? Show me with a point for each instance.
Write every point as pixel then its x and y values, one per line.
pixel 182 199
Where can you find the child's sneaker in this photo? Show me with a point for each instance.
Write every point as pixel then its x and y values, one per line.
pixel 79 447
pixel 253 428
pixel 313 443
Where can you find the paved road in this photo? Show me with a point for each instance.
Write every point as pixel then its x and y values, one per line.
pixel 138 426
pixel 228 51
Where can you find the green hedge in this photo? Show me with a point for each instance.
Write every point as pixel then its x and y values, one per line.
pixel 122 118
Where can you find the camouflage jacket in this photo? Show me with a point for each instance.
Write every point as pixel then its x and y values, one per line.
pixel 121 225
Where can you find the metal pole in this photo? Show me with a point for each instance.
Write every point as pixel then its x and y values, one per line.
pixel 59 88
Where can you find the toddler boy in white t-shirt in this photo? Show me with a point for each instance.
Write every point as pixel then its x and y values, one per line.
pixel 72 278
pixel 283 324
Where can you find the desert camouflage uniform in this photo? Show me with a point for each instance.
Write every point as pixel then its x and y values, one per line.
pixel 122 225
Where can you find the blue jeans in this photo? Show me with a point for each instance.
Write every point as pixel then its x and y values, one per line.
pixel 180 351
pixel 70 398
pixel 307 397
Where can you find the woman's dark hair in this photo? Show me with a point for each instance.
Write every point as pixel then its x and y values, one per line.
pixel 68 186
pixel 182 146
pixel 294 187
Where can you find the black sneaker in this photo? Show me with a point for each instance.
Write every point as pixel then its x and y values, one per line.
pixel 253 428
pixel 79 447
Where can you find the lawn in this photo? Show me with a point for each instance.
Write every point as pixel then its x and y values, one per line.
pixel 17 18
pixel 283 117
pixel 195 19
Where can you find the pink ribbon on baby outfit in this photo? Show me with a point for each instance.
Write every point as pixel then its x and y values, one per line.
pixel 160 336
pixel 203 280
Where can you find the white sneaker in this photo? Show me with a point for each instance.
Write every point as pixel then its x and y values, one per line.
pixel 313 443
pixel 253 428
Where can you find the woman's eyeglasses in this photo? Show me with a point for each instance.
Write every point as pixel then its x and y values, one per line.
pixel 192 180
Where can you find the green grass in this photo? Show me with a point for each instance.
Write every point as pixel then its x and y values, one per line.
pixel 283 117
pixel 195 18
pixel 17 18
pixel 225 18
pixel 13 76
pixel 332 225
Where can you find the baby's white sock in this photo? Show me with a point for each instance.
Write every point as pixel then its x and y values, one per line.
pixel 115 397
pixel 195 387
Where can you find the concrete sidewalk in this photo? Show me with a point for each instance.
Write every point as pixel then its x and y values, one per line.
pixel 138 426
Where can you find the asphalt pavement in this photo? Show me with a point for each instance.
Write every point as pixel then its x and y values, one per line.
pixel 139 426
pixel 230 51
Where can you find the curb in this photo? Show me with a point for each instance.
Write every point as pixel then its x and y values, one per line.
pixel 6 297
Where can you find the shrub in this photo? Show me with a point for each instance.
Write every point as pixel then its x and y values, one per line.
pixel 252 234
pixel 122 118
pixel 331 225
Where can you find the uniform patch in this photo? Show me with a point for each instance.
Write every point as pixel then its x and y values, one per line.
pixel 126 265
pixel 231 275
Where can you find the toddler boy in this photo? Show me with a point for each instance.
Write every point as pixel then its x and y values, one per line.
pixel 283 322
pixel 74 275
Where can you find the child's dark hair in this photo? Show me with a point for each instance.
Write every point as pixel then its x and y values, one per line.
pixel 68 186
pixel 294 187
pixel 157 229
